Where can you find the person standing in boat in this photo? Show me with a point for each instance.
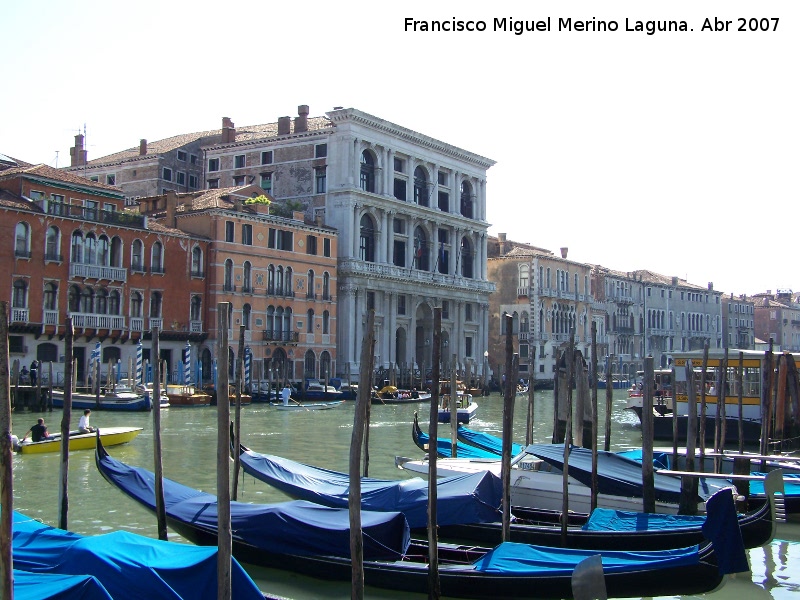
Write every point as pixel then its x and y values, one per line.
pixel 38 432
pixel 83 424
pixel 286 392
pixel 34 371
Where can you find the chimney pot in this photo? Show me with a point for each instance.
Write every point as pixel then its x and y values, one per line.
pixel 142 147
pixel 228 131
pixel 564 251
pixel 284 125
pixel 301 121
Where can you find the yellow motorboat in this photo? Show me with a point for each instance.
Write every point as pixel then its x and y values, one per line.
pixel 112 436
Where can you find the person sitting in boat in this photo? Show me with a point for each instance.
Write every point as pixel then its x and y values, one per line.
pixel 83 424
pixel 38 432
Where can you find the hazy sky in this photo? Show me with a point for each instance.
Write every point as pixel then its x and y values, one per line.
pixel 674 152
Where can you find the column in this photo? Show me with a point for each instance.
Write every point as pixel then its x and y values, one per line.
pixel 388 187
pixel 455 194
pixel 356 230
pixel 390 237
pixel 383 255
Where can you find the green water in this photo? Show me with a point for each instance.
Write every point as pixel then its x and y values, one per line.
pixel 320 438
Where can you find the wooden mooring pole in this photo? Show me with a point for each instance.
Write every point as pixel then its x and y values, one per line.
pixel 512 370
pixel 595 482
pixel 237 417
pixel 648 478
pixel 434 589
pixel 161 513
pixel 6 453
pixel 224 533
pixel 63 489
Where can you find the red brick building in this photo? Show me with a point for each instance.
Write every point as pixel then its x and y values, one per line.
pixel 70 249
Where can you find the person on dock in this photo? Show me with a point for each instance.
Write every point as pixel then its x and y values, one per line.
pixel 38 432
pixel 83 424
pixel 34 371
pixel 286 392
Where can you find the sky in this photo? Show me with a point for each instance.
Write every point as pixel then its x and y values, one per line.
pixel 675 152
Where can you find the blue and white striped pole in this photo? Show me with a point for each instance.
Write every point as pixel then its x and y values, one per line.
pixel 247 360
pixel 139 380
pixel 187 364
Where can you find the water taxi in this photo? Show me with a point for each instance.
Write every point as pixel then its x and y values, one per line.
pixel 112 436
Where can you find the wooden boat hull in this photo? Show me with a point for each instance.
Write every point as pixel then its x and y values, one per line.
pixel 107 402
pixel 112 436
pixel 306 406
pixel 189 399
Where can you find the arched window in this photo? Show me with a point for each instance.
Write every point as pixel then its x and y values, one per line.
pixel 326 286
pixel 74 299
pixel 325 365
pixel 103 251
pixel 137 256
pixel 136 305
pixel 52 244
pixel 278 324
pixel 326 322
pixel 310 323
pixel 421 186
pixel 421 251
pixel 116 252
pixel 466 200
pixel 523 277
pixel 367 171
pixel 271 279
pixel 287 323
pixel 197 262
pixel 20 296
pixel 310 364
pixel 246 277
pixel 466 258
pixel 279 289
pixel 101 302
pixel 367 239
pixel 157 258
pixel 90 249
pixel 22 240
pixel 310 281
pixel 205 360
pixel 287 283
pixel 195 310
pixel 155 305
pixel 227 285
pixel 87 300
pixel 114 303
pixel 246 316
pixel 270 322
pixel 50 296
pixel 76 247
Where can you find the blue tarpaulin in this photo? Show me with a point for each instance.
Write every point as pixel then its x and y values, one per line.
pixel 43 586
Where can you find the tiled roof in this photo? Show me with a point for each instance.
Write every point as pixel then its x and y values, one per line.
pixel 658 278
pixel 48 172
pixel 217 198
pixel 211 137
pixel 11 200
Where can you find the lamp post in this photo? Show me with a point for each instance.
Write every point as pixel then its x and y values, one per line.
pixel 486 372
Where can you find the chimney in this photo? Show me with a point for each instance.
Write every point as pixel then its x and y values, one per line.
pixel 501 239
pixel 284 125
pixel 675 281
pixel 228 131
pixel 301 121
pixel 77 154
pixel 710 286
pixel 564 251
pixel 172 203
pixel 318 220
pixel 142 147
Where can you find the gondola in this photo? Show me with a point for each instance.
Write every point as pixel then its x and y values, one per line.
pixel 444 446
pixel 509 570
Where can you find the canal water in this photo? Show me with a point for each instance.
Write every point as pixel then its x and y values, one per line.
pixel 320 438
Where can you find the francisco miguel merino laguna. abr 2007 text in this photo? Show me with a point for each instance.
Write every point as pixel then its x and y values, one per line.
pixel 568 24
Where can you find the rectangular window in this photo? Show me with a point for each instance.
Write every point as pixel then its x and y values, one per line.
pixel 398 225
pixel 182 155
pixel 193 159
pixel 320 150
pixel 326 247
pixel 399 165
pixel 399 258
pixel 468 312
pixel 444 201
pixel 266 182
pixel 193 182
pixel 247 234
pixel 180 178
pixel 285 240
pixel 442 178
pixel 468 346
pixel 238 180
pixel 213 164
pixel 266 157
pixel 94 178
pixel 370 300
pixel 108 207
pixel 213 184
pixel 321 180
pixel 445 309
pixel 311 244
pixel 228 231
pixel 271 237
pixel 400 189
pixel 401 305
pixel 111 179
pixel 239 161
pixel 166 174
pixel 523 350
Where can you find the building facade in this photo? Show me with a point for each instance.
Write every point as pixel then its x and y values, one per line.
pixel 738 322
pixel 777 318
pixel 72 251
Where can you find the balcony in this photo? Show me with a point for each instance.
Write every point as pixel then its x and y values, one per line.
pixel 97 321
pixel 156 322
pixel 137 324
pixel 19 315
pixel 280 336
pixel 522 291
pixel 111 217
pixel 98 272
pixel 51 317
